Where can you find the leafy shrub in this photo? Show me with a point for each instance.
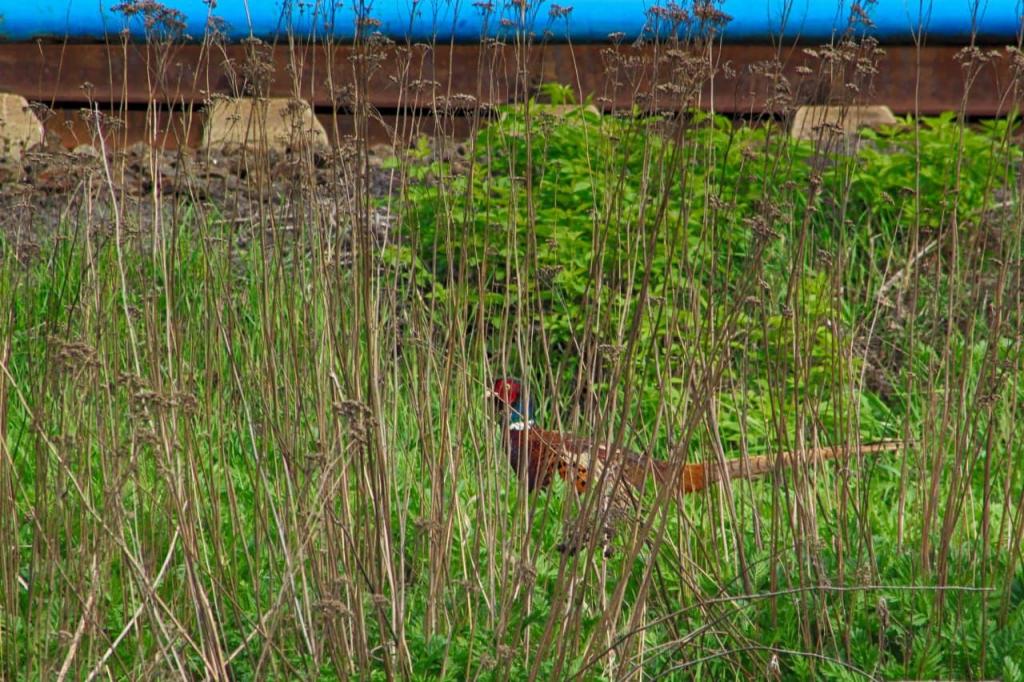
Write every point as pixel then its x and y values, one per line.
pixel 900 177
pixel 558 220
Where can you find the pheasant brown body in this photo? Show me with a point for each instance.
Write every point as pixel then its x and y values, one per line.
pixel 539 455
pixel 545 454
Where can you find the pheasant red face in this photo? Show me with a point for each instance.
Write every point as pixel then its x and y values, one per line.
pixel 506 391
pixel 509 397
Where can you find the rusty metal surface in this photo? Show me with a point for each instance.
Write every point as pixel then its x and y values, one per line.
pixel 75 125
pixel 748 79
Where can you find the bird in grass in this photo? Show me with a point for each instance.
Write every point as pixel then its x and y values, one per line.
pixel 539 455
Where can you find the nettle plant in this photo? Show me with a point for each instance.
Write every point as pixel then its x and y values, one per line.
pixel 563 211
pixel 901 175
pixel 564 217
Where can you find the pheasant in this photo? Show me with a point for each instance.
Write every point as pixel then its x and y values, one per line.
pixel 539 455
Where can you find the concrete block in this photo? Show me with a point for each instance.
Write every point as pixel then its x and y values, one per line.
pixel 274 124
pixel 19 127
pixel 826 122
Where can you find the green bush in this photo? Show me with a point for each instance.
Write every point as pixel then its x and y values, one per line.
pixel 701 207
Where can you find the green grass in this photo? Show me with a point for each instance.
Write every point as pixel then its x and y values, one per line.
pixel 280 461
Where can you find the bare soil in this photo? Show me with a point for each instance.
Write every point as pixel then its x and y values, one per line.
pixel 151 189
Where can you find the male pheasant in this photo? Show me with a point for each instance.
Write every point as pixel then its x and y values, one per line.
pixel 539 455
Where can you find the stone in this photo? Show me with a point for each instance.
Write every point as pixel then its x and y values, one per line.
pixel 823 123
pixel 274 124
pixel 10 171
pixel 20 129
pixel 85 151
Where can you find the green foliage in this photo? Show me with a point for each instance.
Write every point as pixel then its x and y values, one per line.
pixel 560 215
pixel 268 469
pixel 925 175
pixel 565 214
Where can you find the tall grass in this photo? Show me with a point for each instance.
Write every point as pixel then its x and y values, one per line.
pixel 260 450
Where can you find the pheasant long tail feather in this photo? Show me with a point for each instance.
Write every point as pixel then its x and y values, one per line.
pixel 696 477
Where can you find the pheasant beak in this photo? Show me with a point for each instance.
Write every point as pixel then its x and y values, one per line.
pixel 488 394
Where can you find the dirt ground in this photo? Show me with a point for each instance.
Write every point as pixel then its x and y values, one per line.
pixel 51 185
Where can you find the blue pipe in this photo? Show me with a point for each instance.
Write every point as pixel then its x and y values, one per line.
pixel 812 21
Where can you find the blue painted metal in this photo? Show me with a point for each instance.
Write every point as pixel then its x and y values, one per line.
pixel 945 21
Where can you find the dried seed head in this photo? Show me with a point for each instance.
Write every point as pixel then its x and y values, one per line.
pixel 707 11
pixel 546 274
pixel 527 573
pixel 558 12
pixel 335 608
